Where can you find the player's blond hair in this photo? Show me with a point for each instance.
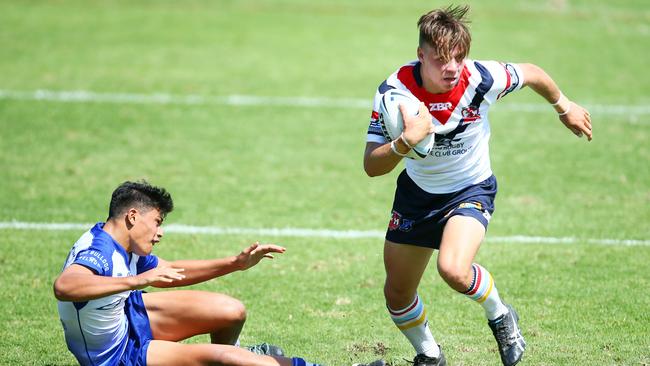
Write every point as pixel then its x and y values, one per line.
pixel 446 31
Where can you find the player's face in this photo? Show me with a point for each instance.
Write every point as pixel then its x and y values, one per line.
pixel 146 231
pixel 438 76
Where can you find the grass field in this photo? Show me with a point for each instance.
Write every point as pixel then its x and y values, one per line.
pixel 274 163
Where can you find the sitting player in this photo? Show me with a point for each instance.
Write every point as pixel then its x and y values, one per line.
pixel 108 320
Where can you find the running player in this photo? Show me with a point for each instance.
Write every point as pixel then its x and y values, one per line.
pixel 108 320
pixel 446 200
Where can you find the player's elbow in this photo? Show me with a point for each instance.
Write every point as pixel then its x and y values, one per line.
pixel 370 170
pixel 58 292
pixel 368 166
pixel 374 168
pixel 373 163
pixel 61 290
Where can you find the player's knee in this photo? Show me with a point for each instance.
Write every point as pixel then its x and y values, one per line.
pixel 456 275
pixel 233 311
pixel 396 295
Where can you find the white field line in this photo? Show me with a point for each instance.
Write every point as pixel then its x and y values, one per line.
pixel 315 233
pixel 633 112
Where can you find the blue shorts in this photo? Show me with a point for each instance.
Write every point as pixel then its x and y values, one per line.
pixel 140 335
pixel 418 217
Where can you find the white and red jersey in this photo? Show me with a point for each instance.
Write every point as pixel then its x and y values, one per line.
pixel 461 156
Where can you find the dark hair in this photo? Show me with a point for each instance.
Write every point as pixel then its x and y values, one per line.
pixel 446 30
pixel 141 195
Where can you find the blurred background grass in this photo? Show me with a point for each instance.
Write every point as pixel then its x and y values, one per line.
pixel 266 166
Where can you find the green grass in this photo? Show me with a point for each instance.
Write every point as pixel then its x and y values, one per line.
pixel 323 300
pixel 275 167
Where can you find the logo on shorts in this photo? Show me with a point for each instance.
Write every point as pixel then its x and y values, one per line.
pixel 406 225
pixel 476 205
pixel 487 215
pixel 397 222
pixel 394 222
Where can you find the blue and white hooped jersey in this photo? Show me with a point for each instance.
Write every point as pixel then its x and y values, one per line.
pixel 96 331
pixel 461 156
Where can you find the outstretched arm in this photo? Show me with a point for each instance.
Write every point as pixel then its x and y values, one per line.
pixel 197 271
pixel 79 283
pixel 575 117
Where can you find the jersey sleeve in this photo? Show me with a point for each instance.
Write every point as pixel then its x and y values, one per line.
pixel 374 130
pixel 507 78
pixel 146 263
pixel 96 259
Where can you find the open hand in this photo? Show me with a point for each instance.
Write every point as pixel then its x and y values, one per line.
pixel 578 120
pixel 159 274
pixel 254 254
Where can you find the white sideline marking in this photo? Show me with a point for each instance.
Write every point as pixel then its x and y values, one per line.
pixel 316 233
pixel 83 96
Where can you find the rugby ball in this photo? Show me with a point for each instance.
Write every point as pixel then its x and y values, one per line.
pixel 392 123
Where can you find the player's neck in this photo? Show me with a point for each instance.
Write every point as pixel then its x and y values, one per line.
pixel 118 233
pixel 432 88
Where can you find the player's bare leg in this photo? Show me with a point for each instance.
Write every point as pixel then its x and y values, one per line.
pixel 165 353
pixel 405 265
pixel 177 315
pixel 461 240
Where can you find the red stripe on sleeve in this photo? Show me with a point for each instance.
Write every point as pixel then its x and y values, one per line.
pixel 508 81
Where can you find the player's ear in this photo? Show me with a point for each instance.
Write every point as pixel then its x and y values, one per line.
pixel 420 53
pixel 131 215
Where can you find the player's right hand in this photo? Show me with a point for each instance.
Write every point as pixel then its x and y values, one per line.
pixel 417 127
pixel 158 274
pixel 254 253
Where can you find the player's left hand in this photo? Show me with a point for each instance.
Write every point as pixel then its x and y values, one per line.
pixel 255 252
pixel 578 120
pixel 416 128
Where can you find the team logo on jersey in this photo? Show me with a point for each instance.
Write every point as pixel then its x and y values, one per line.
pixel 439 106
pixel 449 139
pixel 470 113
pixel 394 222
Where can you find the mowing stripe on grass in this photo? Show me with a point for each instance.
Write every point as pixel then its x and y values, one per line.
pixel 315 233
pixel 83 96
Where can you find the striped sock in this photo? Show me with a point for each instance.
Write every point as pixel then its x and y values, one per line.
pixel 297 361
pixel 483 291
pixel 413 322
